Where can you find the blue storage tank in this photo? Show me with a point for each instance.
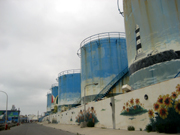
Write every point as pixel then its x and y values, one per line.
pixel 54 99
pixel 153 42
pixel 69 88
pixel 49 96
pixel 103 57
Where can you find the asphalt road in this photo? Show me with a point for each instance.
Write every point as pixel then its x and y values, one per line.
pixel 33 129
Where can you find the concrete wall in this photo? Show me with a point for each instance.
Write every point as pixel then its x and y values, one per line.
pixel 128 109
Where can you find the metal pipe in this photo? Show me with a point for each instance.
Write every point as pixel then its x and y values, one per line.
pixel 6 104
pixel 122 13
pixel 85 98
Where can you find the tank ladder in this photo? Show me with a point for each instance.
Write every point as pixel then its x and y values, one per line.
pixel 108 87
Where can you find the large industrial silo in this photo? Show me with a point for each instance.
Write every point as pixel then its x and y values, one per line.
pixel 49 96
pixel 153 40
pixel 54 97
pixel 69 88
pixel 103 61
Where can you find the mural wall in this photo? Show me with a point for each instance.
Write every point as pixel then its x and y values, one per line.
pixel 13 116
pixel 153 43
pixel 160 102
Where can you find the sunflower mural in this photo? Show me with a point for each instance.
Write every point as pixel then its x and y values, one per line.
pixel 90 116
pixel 166 111
pixel 133 107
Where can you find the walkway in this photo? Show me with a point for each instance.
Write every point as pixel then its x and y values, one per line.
pixel 98 131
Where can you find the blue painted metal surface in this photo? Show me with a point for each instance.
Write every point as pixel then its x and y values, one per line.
pixel 103 56
pixel 109 86
pixel 178 74
pixel 69 87
pixel 54 97
pixel 49 96
pixel 40 119
pixel 155 26
pixel 13 116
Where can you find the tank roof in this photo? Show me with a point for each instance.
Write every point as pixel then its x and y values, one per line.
pixel 71 71
pixel 100 36
pixel 54 85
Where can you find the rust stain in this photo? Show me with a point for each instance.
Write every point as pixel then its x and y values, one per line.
pixel 177 10
pixel 139 1
pixel 176 4
pixel 149 23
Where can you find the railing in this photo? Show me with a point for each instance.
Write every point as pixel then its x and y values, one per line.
pixel 48 93
pixel 108 87
pixel 72 71
pixel 100 36
pixel 177 74
pixel 53 85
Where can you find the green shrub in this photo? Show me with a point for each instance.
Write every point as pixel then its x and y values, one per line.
pixel 166 128
pixel 54 121
pixel 131 128
pixel 149 128
pixel 90 124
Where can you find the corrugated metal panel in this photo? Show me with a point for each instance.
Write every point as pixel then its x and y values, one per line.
pixel 54 91
pixel 159 31
pixel 49 102
pixel 102 58
pixel 69 87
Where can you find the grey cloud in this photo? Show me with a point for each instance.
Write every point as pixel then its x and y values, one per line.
pixel 40 39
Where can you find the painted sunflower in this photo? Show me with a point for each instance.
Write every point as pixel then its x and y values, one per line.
pixel 177 106
pixel 178 89
pixel 134 107
pixel 127 104
pixel 127 109
pixel 151 113
pixel 137 101
pixel 160 99
pixel 174 95
pixel 156 106
pixel 167 100
pixel 132 101
pixel 124 107
pixel 163 113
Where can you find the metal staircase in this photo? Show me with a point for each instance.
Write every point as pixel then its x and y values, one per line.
pixel 177 75
pixel 108 87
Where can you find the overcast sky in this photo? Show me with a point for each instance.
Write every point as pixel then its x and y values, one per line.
pixel 40 38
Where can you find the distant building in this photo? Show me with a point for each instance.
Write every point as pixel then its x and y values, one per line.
pixel 13 116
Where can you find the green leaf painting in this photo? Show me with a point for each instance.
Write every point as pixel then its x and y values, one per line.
pixel 89 116
pixel 132 108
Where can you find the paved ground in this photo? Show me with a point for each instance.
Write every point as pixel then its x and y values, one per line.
pixel 34 129
pixel 98 131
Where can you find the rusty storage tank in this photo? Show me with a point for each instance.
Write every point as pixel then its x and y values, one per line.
pixel 153 43
pixel 69 88
pixel 54 97
pixel 103 57
pixel 48 102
